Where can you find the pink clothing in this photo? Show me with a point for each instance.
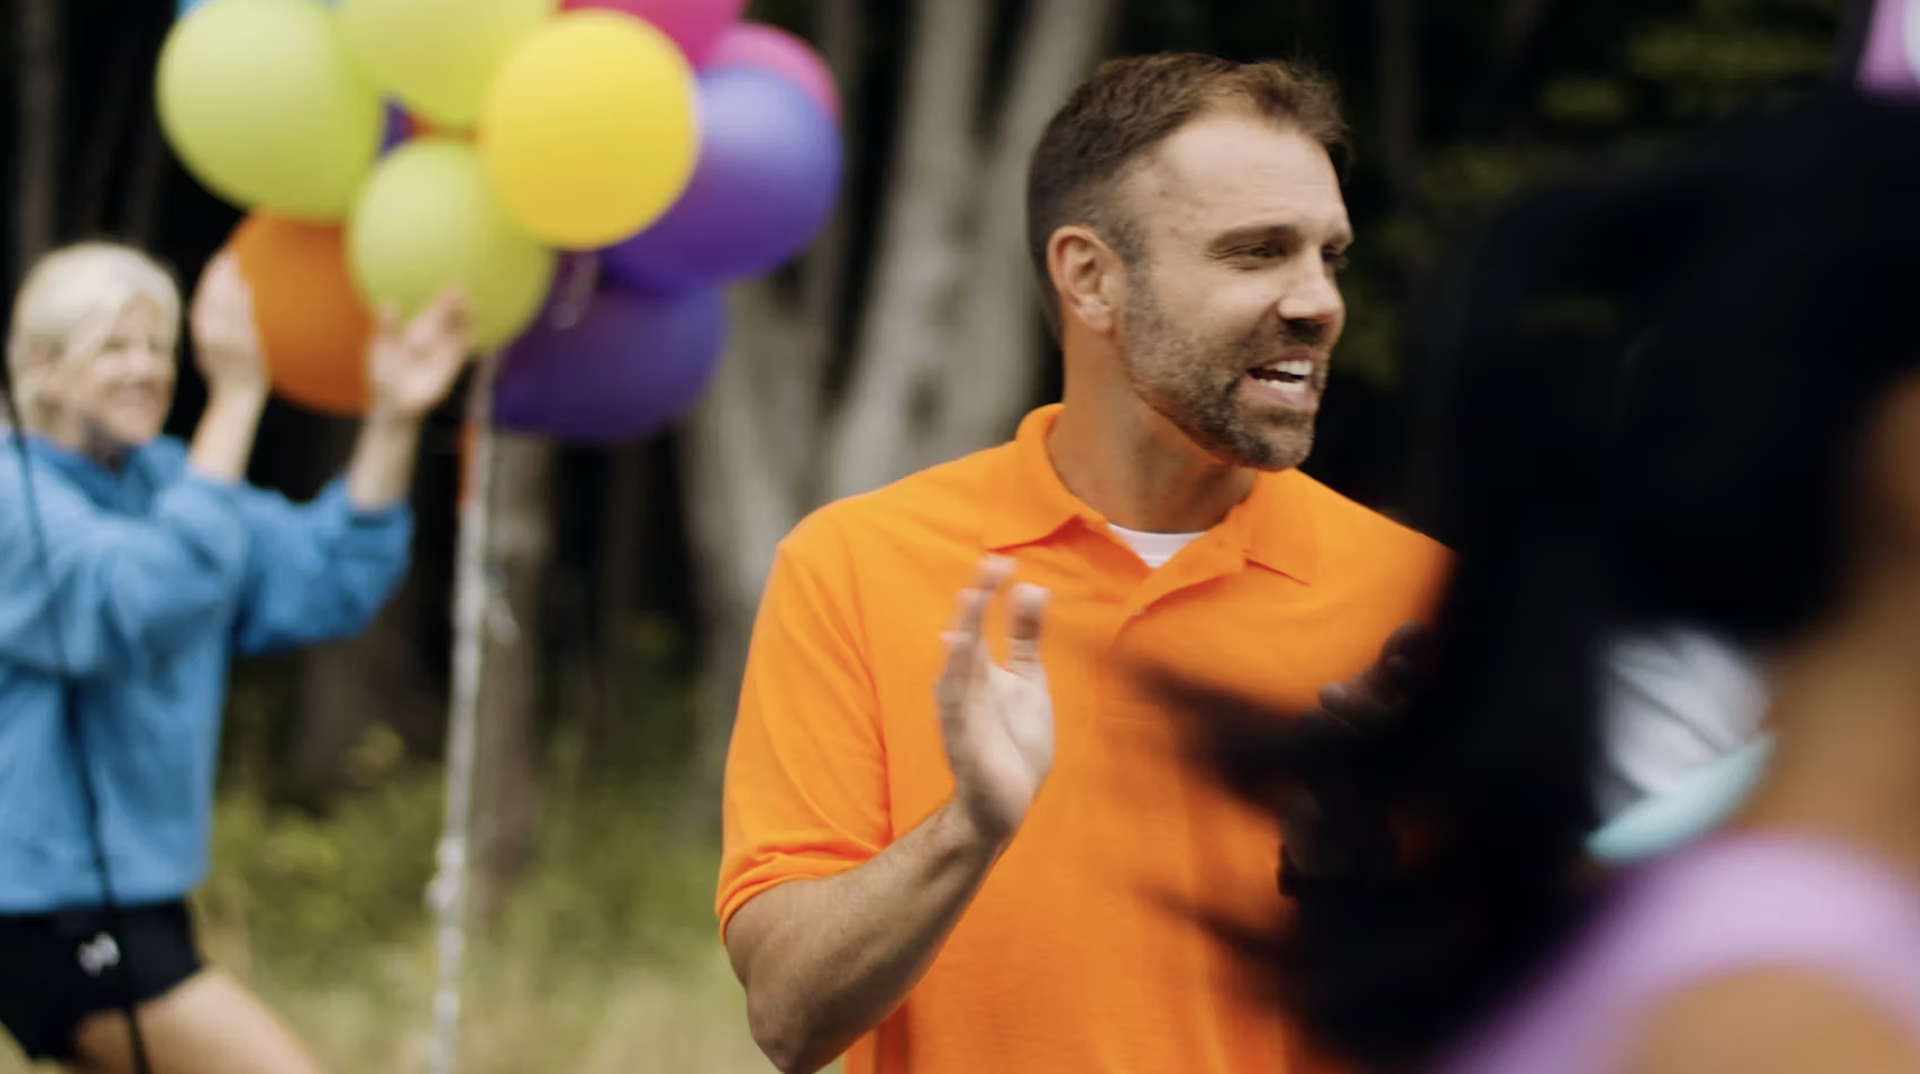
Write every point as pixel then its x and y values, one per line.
pixel 1721 907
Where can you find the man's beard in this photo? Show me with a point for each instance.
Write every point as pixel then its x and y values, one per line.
pixel 1198 390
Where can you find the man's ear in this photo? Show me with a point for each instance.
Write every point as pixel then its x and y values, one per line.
pixel 1088 276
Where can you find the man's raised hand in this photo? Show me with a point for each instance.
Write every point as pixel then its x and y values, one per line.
pixel 997 720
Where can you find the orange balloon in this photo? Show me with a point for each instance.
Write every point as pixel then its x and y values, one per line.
pixel 313 323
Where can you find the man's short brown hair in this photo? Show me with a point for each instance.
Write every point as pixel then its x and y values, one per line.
pixel 1129 105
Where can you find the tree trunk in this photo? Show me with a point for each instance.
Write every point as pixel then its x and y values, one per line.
pixel 994 349
pixel 37 171
pixel 1399 99
pixel 147 182
pixel 506 802
pixel 1515 33
pixel 627 491
pixel 350 686
pixel 115 102
pixel 952 316
pixel 921 257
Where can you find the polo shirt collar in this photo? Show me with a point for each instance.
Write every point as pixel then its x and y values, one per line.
pixel 1028 503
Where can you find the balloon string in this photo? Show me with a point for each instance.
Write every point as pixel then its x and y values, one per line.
pixel 580 279
pixel 476 592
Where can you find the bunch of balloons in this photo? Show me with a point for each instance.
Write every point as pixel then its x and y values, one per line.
pixel 592 172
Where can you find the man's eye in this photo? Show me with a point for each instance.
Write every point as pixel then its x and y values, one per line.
pixel 1335 259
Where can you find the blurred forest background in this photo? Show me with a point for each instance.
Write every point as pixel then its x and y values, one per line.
pixel 908 335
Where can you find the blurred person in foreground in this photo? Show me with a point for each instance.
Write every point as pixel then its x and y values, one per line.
pixel 1751 466
pixel 896 883
pixel 133 568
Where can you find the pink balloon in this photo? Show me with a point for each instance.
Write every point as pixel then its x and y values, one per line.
pixel 694 25
pixel 777 52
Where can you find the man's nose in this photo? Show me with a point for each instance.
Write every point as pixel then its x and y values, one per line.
pixel 1312 296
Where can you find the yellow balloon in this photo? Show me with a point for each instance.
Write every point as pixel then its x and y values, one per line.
pixel 426 220
pixel 589 131
pixel 437 56
pixel 261 102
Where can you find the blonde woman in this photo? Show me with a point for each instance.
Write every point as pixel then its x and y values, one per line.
pixel 133 567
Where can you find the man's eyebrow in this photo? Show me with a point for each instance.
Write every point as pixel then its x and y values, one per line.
pixel 1285 233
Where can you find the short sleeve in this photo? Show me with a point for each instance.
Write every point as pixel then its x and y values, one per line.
pixel 806 790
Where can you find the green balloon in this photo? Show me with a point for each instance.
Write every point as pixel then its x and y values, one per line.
pixel 439 56
pixel 263 104
pixel 427 219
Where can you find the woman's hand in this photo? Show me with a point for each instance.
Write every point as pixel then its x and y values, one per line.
pixel 226 343
pixel 412 367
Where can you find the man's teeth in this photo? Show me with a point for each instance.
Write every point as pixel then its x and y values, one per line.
pixel 1295 369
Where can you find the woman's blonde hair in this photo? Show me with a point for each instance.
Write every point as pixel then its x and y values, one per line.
pixel 70 301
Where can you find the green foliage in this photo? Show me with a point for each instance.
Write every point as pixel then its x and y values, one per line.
pixel 639 736
pixel 614 930
pixel 311 890
pixel 1585 100
pixel 1370 348
pixel 606 951
pixel 1715 69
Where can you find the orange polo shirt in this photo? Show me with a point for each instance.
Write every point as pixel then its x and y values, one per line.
pixel 1075 956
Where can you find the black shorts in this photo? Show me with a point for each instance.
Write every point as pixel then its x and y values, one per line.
pixel 57 969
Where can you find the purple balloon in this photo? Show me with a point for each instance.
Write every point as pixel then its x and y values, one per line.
pixel 619 367
pixel 766 183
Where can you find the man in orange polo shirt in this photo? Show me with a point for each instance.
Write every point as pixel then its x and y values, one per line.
pixel 956 844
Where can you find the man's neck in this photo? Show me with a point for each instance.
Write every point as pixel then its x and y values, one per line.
pixel 1130 464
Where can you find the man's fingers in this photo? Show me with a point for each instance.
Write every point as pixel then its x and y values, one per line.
pixel 1029 604
pixel 992 573
pixel 965 653
pixel 965 632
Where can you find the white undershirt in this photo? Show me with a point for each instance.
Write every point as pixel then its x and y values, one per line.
pixel 1154 549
